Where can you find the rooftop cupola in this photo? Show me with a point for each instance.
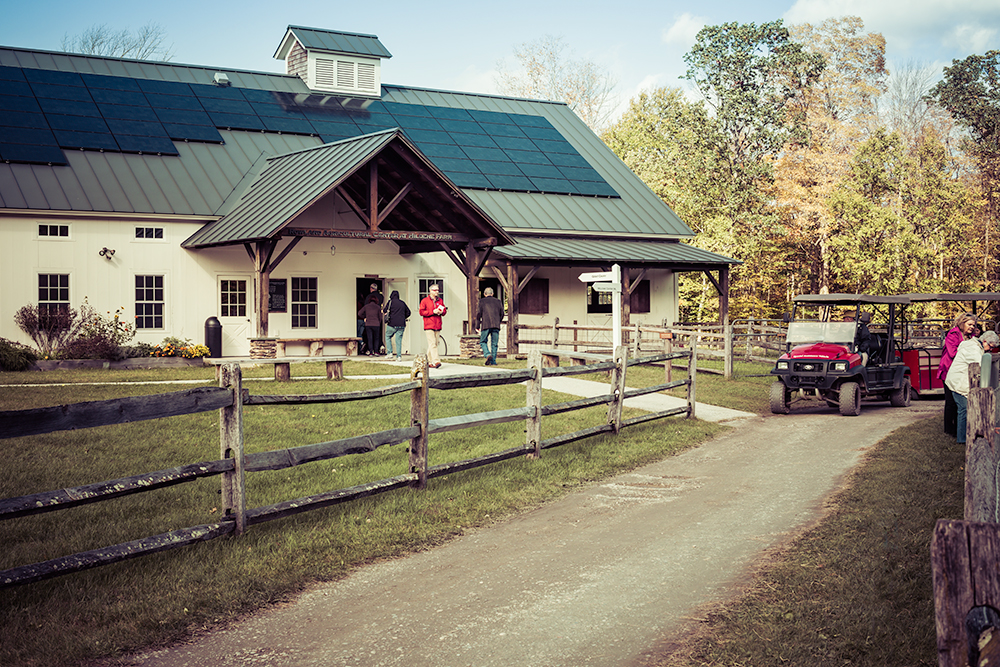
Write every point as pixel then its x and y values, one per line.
pixel 335 62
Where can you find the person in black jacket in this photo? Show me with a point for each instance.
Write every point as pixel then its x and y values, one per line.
pixel 488 317
pixel 396 313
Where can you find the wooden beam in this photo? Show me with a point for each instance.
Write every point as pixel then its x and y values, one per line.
pixel 527 278
pixel 635 283
pixel 346 196
pixel 451 254
pixel 372 221
pixel 513 304
pixel 395 202
pixel 284 253
pixel 387 235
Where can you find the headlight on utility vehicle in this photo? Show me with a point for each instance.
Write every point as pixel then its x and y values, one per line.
pixel 782 365
pixel 839 366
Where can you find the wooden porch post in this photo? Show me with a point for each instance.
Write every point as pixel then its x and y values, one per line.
pixel 513 307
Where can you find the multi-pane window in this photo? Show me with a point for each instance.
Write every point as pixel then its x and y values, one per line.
pixel 53 231
pixel 53 290
pixel 425 286
pixel 149 302
pixel 304 303
pixel 149 232
pixel 233 298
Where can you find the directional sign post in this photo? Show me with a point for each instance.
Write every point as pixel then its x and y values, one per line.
pixel 609 281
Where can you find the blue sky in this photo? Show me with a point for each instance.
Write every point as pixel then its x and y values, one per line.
pixel 456 45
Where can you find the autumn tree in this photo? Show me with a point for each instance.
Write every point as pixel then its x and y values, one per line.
pixel 837 111
pixel 145 43
pixel 751 78
pixel 970 92
pixel 544 72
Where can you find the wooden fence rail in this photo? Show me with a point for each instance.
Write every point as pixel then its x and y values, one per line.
pixel 749 340
pixel 233 464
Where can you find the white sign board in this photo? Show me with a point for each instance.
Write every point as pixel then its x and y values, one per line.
pixel 594 277
pixel 607 287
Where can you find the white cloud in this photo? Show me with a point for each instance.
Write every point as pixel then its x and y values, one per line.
pixel 921 29
pixel 684 30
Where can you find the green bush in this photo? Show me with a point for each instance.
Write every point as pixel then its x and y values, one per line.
pixel 137 350
pixel 15 357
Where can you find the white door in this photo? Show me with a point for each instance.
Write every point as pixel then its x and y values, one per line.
pixel 235 298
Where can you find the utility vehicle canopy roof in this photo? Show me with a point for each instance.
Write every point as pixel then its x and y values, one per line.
pixel 968 296
pixel 849 299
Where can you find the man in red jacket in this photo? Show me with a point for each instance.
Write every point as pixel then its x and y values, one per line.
pixel 431 309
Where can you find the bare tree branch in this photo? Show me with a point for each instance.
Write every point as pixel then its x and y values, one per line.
pixel 145 43
pixel 544 73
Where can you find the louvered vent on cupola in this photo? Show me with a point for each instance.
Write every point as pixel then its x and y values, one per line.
pixel 336 62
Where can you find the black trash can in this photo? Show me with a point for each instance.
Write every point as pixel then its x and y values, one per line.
pixel 213 337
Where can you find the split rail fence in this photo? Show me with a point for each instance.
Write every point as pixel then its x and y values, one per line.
pixel 234 464
pixel 740 347
pixel 965 555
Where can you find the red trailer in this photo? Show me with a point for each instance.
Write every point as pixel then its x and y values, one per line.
pixel 921 349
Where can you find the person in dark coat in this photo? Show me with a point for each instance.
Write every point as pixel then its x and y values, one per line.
pixel 371 312
pixel 396 313
pixel 489 315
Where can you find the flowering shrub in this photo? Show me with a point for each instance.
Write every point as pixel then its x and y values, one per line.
pixel 175 347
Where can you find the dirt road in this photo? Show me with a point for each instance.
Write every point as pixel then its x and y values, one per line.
pixel 596 578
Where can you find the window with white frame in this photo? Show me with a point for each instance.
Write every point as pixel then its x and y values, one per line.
pixel 149 302
pixel 46 231
pixel 425 286
pixel 304 303
pixel 149 233
pixel 53 290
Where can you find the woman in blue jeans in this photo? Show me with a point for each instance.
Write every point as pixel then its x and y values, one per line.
pixel 969 352
pixel 396 313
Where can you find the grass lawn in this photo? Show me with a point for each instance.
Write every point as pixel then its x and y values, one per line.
pixel 156 599
pixel 853 590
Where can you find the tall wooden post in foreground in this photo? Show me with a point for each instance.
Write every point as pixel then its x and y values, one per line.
pixel 231 447
pixel 533 427
pixel 618 388
pixel 419 416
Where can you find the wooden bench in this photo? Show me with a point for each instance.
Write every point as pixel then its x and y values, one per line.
pixel 550 358
pixel 282 366
pixel 351 344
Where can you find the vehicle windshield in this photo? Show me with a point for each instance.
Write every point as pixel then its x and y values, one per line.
pixel 806 331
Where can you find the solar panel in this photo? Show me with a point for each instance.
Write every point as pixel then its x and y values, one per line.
pixel 476 148
pixel 61 92
pixel 87 140
pixel 127 112
pixel 32 154
pixel 137 144
pixel 206 133
pixel 77 123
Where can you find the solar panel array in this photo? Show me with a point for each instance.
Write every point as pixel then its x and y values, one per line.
pixel 45 111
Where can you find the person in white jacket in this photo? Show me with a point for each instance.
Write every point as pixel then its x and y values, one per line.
pixel 969 352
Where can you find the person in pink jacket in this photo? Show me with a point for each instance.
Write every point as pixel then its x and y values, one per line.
pixel 963 329
pixel 431 309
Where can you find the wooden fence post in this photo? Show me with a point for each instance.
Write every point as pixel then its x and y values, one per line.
pixel 636 344
pixel 231 447
pixel 981 457
pixel 419 416
pixel 533 431
pixel 618 388
pixel 668 365
pixel 727 334
pixel 692 374
pixel 555 334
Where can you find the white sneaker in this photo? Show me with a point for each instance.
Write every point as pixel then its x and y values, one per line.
pixel 399 358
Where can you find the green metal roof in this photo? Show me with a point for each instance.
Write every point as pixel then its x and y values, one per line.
pixel 556 251
pixel 336 42
pixel 286 185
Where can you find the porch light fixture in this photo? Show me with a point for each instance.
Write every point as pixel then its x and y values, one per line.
pixel 333 250
pixel 107 253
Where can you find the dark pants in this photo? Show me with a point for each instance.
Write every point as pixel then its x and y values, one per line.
pixel 371 336
pixel 950 413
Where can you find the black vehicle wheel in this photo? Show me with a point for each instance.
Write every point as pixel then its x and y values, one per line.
pixel 850 399
pixel 779 398
pixel 900 398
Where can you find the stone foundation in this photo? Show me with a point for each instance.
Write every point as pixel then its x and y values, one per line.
pixel 263 348
pixel 468 347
